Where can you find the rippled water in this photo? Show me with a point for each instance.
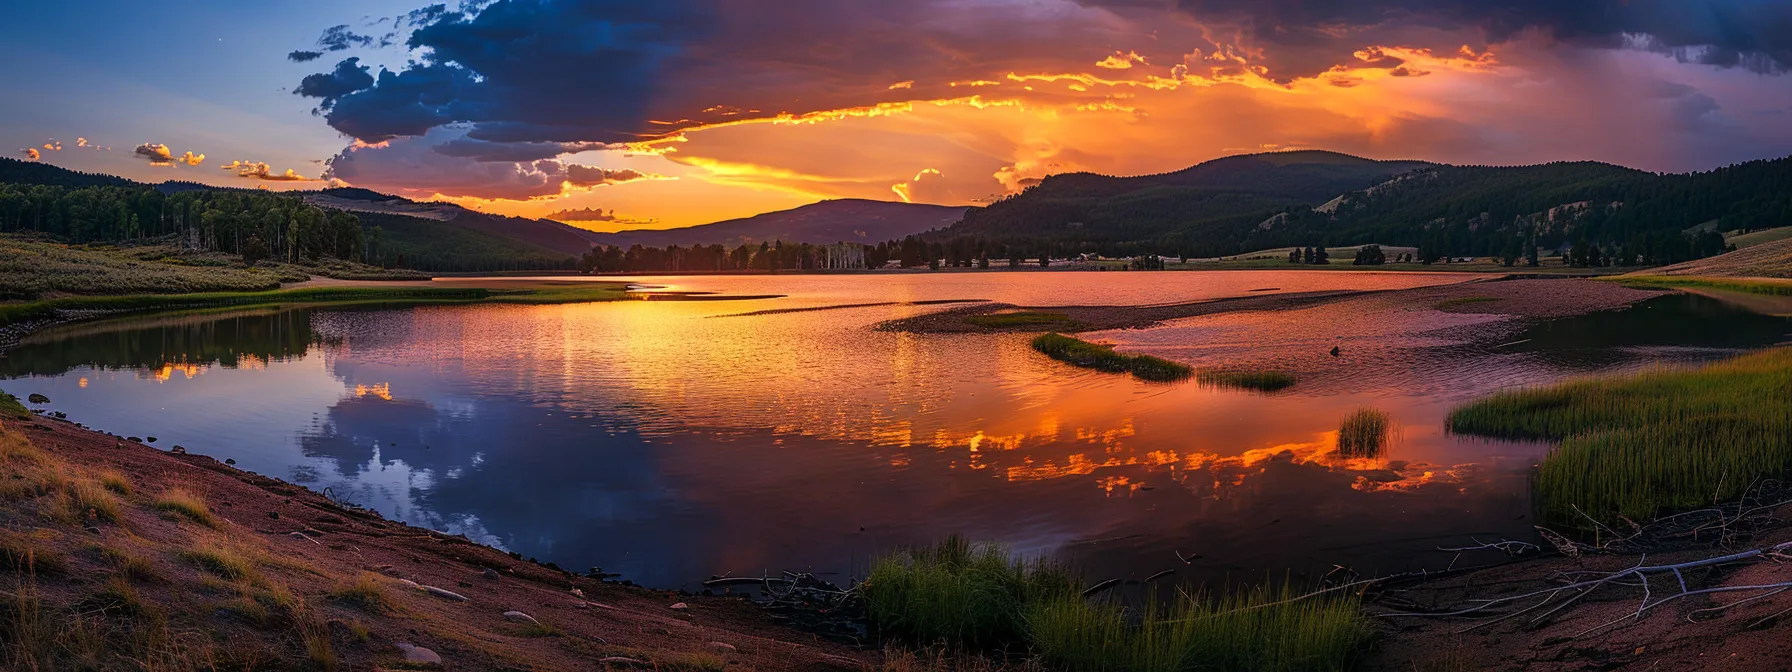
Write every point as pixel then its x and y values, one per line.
pixel 671 441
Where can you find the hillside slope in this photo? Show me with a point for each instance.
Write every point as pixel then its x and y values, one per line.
pixel 844 220
pixel 1767 260
pixel 1205 210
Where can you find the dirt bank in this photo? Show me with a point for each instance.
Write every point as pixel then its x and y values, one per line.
pixel 269 575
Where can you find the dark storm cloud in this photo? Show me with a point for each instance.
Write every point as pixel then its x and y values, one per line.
pixel 302 56
pixel 1303 37
pixel 348 77
pixel 339 38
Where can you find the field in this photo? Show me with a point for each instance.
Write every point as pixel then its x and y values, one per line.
pixel 1765 260
pixel 1764 236
pixel 34 268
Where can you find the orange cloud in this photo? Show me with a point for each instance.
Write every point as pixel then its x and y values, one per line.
pixel 262 171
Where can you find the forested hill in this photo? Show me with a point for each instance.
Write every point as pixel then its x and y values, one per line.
pixel 1266 201
pixel 85 208
pixel 1203 210
pixel 850 220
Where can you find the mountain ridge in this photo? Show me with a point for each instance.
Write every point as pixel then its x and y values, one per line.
pixel 855 220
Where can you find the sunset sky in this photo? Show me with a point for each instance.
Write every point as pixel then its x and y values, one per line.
pixel 678 112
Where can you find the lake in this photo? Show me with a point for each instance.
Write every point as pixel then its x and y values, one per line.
pixel 671 441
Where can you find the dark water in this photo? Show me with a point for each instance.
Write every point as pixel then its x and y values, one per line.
pixel 673 441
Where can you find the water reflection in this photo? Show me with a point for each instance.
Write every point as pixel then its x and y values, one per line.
pixel 649 439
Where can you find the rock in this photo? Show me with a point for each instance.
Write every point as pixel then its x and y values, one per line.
pixel 445 594
pixel 179 450
pixel 133 439
pixel 490 574
pixel 411 584
pixel 36 398
pixel 620 660
pixel 520 617
pixel 274 515
pixel 418 655
pixel 723 647
pixel 151 439
pixel 230 460
pixel 578 592
pixel 680 606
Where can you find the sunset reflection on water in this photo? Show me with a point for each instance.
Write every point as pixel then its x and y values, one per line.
pixel 670 441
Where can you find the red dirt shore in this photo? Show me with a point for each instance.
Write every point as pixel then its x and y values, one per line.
pixel 305 558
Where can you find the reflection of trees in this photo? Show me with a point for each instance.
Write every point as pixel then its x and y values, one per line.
pixel 152 342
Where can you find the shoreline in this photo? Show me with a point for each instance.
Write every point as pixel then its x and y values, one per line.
pixel 315 546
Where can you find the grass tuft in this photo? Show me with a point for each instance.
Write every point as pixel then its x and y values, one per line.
pixel 1251 630
pixel 1644 444
pixel 1076 352
pixel 181 502
pixel 86 500
pixel 115 481
pixel 958 593
pixel 1364 434
pixel 224 561
pixel 1261 381
pixel 366 593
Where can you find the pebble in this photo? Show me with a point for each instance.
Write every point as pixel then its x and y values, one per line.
pixel 620 660
pixel 490 574
pixel 680 606
pixel 723 646
pixel 419 655
pixel 520 617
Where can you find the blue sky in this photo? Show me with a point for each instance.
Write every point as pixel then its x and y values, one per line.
pixel 210 77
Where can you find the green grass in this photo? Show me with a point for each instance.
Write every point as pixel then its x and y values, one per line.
pixel 963 597
pixel 1262 381
pixel 11 408
pixel 1023 320
pixel 1764 287
pixel 136 303
pixel 1364 434
pixel 1653 442
pixel 1103 358
pixel 1250 630
pixel 959 593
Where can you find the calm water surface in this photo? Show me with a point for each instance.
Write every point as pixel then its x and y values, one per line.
pixel 671 441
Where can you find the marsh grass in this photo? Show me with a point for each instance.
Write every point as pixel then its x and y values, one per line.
pixel 1080 353
pixel 1023 320
pixel 185 504
pixel 955 599
pixel 959 593
pixel 1261 381
pixel 1364 434
pixel 1643 444
pixel 1263 629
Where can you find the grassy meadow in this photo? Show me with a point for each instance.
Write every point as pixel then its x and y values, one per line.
pixel 1653 442
pixel 517 292
pixel 33 268
pixel 1763 286
pixel 978 599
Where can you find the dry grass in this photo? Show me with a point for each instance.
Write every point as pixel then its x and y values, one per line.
pixel 225 561
pixel 84 500
pixel 115 481
pixel 186 504
pixel 368 593
pixel 129 564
